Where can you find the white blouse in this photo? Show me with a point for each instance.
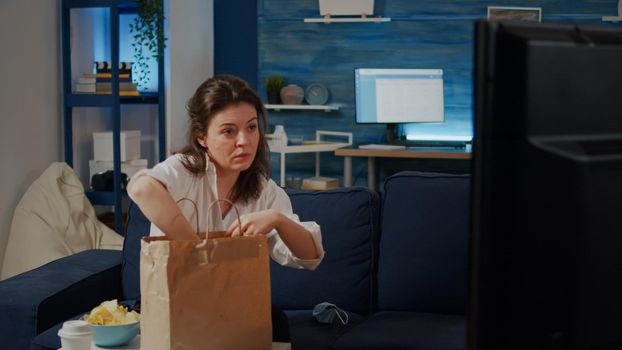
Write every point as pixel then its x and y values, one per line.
pixel 181 184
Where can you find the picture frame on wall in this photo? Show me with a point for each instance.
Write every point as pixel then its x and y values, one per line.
pixel 506 13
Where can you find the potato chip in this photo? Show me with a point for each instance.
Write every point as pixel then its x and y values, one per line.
pixel 110 313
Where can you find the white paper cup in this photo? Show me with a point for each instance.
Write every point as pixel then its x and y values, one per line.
pixel 75 335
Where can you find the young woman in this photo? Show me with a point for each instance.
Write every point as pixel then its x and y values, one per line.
pixel 226 157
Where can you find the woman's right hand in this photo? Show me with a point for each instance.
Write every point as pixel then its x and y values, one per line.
pixel 159 207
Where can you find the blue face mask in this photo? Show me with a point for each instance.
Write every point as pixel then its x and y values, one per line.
pixel 326 312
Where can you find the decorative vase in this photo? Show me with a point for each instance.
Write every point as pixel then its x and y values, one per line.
pixel 279 138
pixel 273 97
pixel 292 94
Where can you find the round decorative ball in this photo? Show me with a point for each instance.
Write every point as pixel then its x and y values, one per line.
pixel 292 94
pixel 316 94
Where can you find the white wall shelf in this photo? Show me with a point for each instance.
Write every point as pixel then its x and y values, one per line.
pixel 325 108
pixel 347 19
pixel 617 18
pixel 312 147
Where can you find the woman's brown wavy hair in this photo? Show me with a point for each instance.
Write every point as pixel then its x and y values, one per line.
pixel 211 97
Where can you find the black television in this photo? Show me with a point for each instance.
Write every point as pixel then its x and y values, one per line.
pixel 546 235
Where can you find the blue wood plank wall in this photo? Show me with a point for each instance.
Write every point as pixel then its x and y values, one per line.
pixel 421 34
pixel 235 39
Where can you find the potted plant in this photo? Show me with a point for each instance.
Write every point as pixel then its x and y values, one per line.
pixel 273 84
pixel 149 40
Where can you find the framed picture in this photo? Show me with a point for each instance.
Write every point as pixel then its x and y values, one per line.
pixel 503 13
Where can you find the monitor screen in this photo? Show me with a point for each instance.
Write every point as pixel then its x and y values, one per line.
pixel 398 95
pixel 546 242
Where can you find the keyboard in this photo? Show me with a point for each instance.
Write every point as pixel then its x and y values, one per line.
pixel 382 146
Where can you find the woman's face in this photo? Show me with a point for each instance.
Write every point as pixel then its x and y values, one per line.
pixel 232 138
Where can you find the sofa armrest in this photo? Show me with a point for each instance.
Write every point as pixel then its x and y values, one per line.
pixel 35 300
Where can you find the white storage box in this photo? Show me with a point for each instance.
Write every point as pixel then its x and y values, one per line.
pixel 346 7
pixel 129 168
pixel 130 145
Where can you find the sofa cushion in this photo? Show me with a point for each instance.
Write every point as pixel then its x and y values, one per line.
pixel 137 227
pixel 406 330
pixel 306 333
pixel 37 299
pixel 424 243
pixel 349 220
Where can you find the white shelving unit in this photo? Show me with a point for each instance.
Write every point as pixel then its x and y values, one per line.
pixel 340 11
pixel 317 147
pixel 325 108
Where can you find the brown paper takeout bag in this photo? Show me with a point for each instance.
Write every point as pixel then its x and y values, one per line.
pixel 211 293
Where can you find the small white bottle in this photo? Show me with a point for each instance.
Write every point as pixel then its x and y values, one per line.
pixel 280 137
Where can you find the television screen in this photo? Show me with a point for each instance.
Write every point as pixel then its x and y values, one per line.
pixel 398 95
pixel 546 239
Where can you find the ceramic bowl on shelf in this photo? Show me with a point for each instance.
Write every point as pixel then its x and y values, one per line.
pixel 295 140
pixel 292 95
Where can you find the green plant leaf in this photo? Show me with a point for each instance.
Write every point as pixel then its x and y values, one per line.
pixel 149 37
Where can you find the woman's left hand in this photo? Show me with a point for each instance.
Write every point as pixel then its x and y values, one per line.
pixel 257 223
pixel 294 235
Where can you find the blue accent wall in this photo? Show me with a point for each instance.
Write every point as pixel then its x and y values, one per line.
pixel 235 39
pixel 421 34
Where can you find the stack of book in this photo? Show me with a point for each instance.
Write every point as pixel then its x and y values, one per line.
pixel 100 82
pixel 319 183
pixel 86 85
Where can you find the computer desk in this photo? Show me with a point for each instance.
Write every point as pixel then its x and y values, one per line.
pixel 411 152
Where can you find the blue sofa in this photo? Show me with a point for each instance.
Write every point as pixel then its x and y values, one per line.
pixel 396 263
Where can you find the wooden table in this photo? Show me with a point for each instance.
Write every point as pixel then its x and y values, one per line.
pixel 135 345
pixel 414 152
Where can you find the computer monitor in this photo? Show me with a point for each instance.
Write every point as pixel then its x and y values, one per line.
pixel 397 96
pixel 546 238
